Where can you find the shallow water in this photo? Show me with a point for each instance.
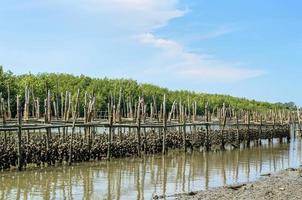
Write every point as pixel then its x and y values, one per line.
pixel 141 178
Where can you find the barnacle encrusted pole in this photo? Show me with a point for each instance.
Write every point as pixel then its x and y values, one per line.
pixel 139 126
pixel 19 147
pixel 164 125
pixel 109 139
pixel 75 116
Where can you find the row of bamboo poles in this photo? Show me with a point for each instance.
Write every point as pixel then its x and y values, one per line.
pixel 64 110
pixel 61 107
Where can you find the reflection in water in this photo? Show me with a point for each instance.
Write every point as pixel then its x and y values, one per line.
pixel 140 178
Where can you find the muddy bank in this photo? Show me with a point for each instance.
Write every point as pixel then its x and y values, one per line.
pixel 283 185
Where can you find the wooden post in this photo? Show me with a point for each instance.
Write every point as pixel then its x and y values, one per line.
pixel 55 109
pixel 299 120
pixel 118 109
pixel 274 127
pixel 86 116
pixel 38 108
pixel 164 125
pixel 75 115
pixel 57 102
pixel 237 131
pixel 109 140
pixel 260 130
pixel 9 113
pixel 66 105
pixel 207 140
pixel 68 108
pixel 171 112
pixel 3 120
pixel 184 134
pixel 62 106
pixel 46 122
pixel 138 121
pixel 26 103
pixel 19 148
pixel 222 129
pixel 34 106
pixel 248 130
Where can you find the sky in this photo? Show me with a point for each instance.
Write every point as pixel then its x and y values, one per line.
pixel 246 48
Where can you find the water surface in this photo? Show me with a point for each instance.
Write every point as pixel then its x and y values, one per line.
pixel 141 178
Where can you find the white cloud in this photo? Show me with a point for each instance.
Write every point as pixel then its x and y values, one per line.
pixel 191 66
pixel 144 14
pixel 217 32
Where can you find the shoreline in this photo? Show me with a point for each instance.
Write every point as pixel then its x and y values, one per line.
pixel 285 184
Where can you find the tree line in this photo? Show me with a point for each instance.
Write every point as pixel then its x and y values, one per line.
pixel 105 88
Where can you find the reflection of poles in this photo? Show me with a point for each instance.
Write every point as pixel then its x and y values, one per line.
pixel 64 185
pixel 18 190
pixel 223 169
pixel 248 168
pixel 109 195
pixel 165 175
pixel 118 185
pixel 152 171
pixel 47 189
pixel 178 172
pixel 157 175
pixel 260 163
pixel 87 187
pixel 55 181
pixel 184 172
pixel 206 170
pixel 270 157
pixel 299 150
pixel 288 158
pixel 274 161
pixel 190 172
pixel 143 179
pixel 257 160
pixel 139 197
pixel 70 185
pixel 237 164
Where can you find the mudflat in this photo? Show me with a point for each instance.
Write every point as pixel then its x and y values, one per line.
pixel 283 185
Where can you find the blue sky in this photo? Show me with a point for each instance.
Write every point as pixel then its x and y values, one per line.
pixel 243 48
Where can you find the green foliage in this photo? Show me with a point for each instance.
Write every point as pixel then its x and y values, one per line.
pixel 131 90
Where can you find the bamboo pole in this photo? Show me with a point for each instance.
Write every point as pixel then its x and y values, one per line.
pixel 19 147
pixel 207 140
pixel 9 114
pixel 138 126
pixel 164 125
pixel 184 134
pixel 75 115
pixel 109 140
pixel 223 127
